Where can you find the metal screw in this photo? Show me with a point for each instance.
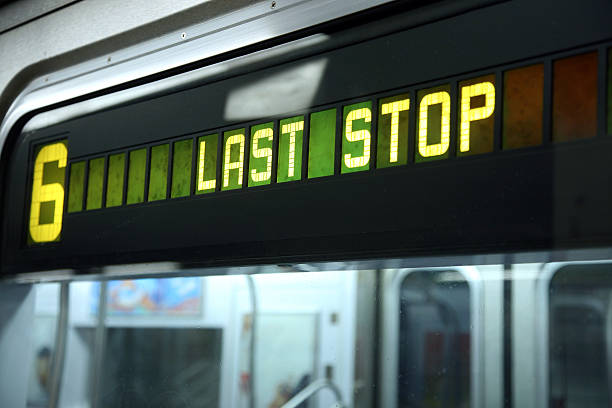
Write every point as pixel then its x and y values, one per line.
pixel 183 35
pixel 273 5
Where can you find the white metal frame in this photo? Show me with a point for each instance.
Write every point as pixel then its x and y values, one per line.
pixel 241 28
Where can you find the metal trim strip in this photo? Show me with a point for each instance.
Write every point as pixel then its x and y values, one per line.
pixel 230 32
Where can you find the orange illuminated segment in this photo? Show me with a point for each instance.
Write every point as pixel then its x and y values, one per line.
pixel 574 79
pixel 523 107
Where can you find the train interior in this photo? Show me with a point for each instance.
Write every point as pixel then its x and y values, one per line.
pixel 315 335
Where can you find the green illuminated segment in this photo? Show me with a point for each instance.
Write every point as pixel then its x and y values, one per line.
pixel 77 185
pixel 322 143
pixel 181 168
pixel 206 174
pixel 433 124
pixel 393 116
pixel 95 183
pixel 233 159
pixel 290 149
pixel 114 186
pixel 356 137
pixel 136 176
pixel 260 161
pixel 158 177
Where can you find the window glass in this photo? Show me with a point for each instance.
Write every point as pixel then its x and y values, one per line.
pixel 434 356
pixel 313 335
pixel 580 342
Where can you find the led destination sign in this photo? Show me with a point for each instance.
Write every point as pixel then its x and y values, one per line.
pixel 375 132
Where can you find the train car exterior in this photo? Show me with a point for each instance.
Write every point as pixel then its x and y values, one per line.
pixel 306 203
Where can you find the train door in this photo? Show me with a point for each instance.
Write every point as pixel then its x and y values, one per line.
pixel 432 337
pixel 577 300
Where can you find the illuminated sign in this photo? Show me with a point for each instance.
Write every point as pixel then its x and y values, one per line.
pixel 453 119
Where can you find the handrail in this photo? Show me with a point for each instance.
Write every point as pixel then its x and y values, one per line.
pixel 312 389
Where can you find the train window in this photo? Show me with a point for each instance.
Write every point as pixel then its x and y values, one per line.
pixel 580 326
pixel 214 341
pixel 276 337
pixel 43 344
pixel 434 354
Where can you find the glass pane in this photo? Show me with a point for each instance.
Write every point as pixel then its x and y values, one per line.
pixel 427 337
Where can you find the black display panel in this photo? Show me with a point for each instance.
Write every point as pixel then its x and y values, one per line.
pixel 471 133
